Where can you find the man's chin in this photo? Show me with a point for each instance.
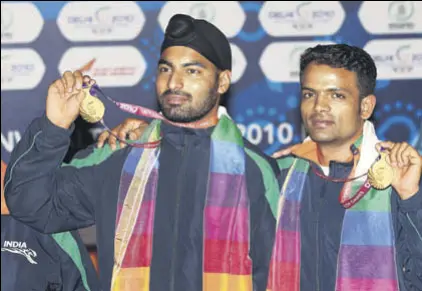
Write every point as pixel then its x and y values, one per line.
pixel 179 118
pixel 321 138
pixel 172 114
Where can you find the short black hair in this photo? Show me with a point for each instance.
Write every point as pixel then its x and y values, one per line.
pixel 344 56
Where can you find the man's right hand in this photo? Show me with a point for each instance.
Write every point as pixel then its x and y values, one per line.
pixel 283 152
pixel 131 128
pixel 64 97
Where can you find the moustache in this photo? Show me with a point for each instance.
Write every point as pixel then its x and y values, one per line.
pixel 320 117
pixel 176 92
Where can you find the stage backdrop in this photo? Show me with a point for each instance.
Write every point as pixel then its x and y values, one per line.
pixel 117 43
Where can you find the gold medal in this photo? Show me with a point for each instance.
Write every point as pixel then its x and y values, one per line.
pixel 381 174
pixel 91 109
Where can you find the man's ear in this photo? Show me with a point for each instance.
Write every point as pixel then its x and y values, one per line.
pixel 367 106
pixel 224 81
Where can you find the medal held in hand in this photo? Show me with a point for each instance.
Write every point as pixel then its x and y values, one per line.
pixel 381 174
pixel 91 109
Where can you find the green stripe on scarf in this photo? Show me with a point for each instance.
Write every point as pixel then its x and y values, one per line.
pixel 366 258
pixel 272 188
pixel 96 157
pixel 227 265
pixel 65 240
pixel 373 200
pixel 68 244
pixel 285 163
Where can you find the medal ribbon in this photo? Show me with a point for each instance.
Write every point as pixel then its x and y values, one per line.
pixel 95 91
pixel 349 202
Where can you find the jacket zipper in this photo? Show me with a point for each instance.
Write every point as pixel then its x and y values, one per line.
pixel 318 283
pixel 317 251
pixel 181 175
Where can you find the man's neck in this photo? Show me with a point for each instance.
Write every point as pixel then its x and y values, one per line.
pixel 209 120
pixel 336 152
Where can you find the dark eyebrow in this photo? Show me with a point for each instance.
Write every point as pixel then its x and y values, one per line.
pixel 335 89
pixel 164 62
pixel 189 64
pixel 307 88
pixel 194 63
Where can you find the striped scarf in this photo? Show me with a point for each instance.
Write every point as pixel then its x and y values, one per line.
pixel 227 265
pixel 366 259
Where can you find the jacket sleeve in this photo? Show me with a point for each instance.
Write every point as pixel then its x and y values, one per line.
pixel 408 225
pixel 42 193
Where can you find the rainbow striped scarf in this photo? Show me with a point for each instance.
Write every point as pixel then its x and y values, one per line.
pixel 366 260
pixel 227 265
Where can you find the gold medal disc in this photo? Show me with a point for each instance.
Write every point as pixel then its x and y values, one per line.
pixel 91 109
pixel 381 174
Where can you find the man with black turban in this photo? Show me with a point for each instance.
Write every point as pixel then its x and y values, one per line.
pixel 186 207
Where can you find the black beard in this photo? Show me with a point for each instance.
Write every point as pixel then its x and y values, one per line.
pixel 185 113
